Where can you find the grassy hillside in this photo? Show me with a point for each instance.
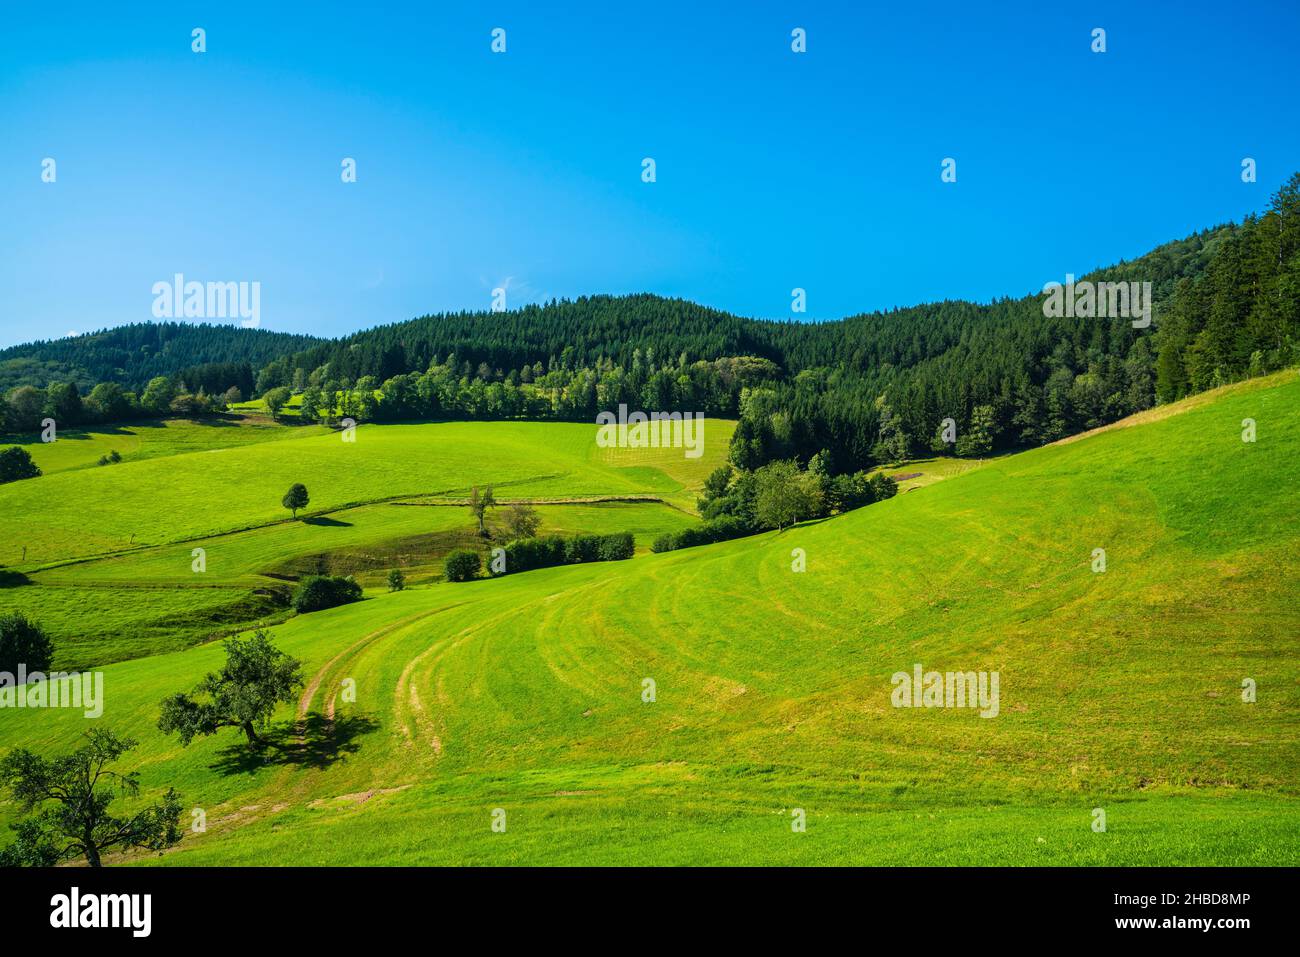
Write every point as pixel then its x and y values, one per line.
pixel 1119 690
pixel 82 448
pixel 150 600
pixel 106 552
pixel 224 489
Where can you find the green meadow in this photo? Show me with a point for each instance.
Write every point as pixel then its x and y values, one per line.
pixel 108 554
pixel 193 495
pixel 430 709
pixel 83 448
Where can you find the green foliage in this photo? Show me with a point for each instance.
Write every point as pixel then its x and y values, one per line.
pixel 318 592
pixel 733 497
pixel 313 407
pixel 72 795
pixel 784 495
pixel 396 580
pixel 522 521
pixel 526 554
pixel 479 503
pixel 277 398
pixel 158 395
pixel 719 529
pixel 23 409
pixel 882 487
pixel 296 498
pixel 257 676
pixel 63 402
pixel 109 402
pixel 977 440
pixel 207 355
pixel 617 547
pixel 461 565
pixel 715 486
pixel 848 492
pixel 23 641
pixel 16 463
pixel 893 444
pixel 581 548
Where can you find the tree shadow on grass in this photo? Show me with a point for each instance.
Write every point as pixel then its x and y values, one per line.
pixel 326 521
pixel 313 743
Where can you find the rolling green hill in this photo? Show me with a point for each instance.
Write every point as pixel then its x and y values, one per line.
pixel 106 552
pixel 1119 690
pixel 82 448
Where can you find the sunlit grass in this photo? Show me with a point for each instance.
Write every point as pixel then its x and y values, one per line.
pixel 1120 690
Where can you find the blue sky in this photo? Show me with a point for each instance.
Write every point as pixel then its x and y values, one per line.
pixel 478 170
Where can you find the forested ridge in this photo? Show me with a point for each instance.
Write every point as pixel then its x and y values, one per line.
pixel 867 389
pixel 133 354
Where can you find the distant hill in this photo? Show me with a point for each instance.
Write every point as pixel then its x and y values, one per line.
pixel 132 355
pixel 1218 306
pixel 585 330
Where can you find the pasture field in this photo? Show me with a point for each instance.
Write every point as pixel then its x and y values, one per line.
pixel 135 441
pixel 200 494
pixel 150 600
pixel 1120 689
pixel 105 594
pixel 922 472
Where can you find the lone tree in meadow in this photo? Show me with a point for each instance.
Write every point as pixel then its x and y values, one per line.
pixel 73 793
pixel 295 498
pixel 522 521
pixel 257 677
pixel 479 503
pixel 22 641
pixel 16 463
pixel 396 580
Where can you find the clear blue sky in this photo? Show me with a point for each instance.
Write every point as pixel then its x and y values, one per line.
pixel 775 170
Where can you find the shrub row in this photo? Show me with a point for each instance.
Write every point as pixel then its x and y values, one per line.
pixel 719 529
pixel 528 553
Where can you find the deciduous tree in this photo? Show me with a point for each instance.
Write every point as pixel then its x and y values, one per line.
pixel 257 676
pixel 72 795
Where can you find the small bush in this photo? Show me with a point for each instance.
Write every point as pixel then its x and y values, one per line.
pixel 325 591
pixel 24 642
pixel 883 487
pixel 617 547
pixel 852 491
pixel 16 463
pixel 461 565
pixel 396 580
